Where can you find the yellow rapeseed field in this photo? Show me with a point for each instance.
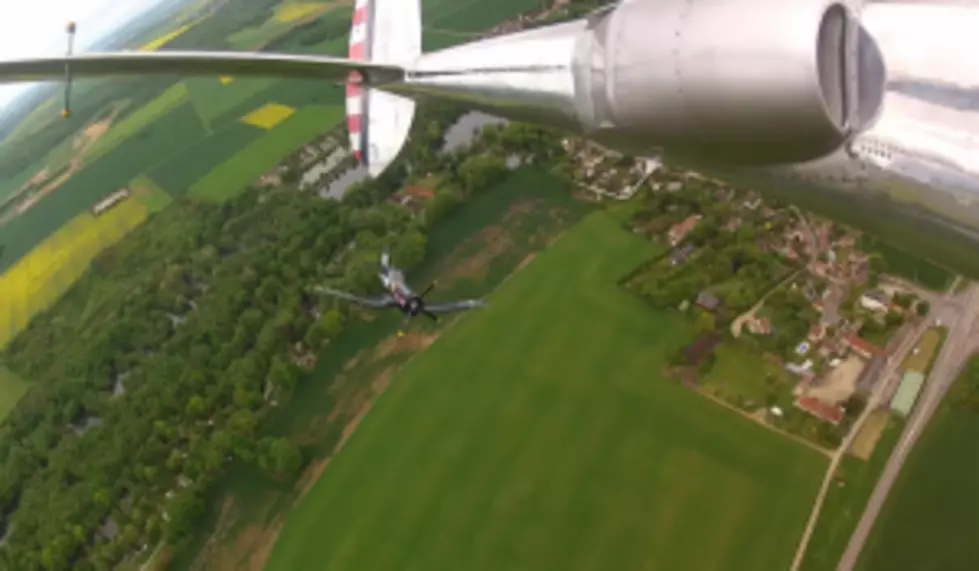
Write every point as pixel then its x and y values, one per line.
pixel 46 272
pixel 269 115
pixel 163 40
pixel 293 11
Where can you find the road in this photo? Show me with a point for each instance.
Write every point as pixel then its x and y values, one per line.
pixel 960 313
pixel 882 388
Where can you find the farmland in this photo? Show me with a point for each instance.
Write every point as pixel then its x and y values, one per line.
pixel 930 516
pixel 233 175
pixel 562 445
pixel 41 277
pixel 845 501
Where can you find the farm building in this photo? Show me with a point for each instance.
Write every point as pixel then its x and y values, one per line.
pixel 907 393
pixel 110 201
pixel 862 347
pixel 831 413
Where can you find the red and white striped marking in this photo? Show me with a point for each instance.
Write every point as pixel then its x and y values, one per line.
pixel 355 93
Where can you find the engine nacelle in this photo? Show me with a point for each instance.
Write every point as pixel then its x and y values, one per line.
pixel 746 81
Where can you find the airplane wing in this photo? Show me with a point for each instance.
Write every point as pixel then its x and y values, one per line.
pixel 379 302
pixel 452 306
pixel 197 63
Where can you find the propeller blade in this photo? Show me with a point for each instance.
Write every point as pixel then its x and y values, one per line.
pixel 428 290
pixel 430 315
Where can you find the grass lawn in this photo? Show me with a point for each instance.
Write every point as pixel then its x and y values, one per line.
pixel 928 348
pixel 845 501
pixel 231 177
pixel 931 515
pixel 539 434
pixel 12 388
pixel 743 376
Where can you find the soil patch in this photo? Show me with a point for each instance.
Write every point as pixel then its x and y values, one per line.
pixel 837 385
pixel 495 242
pixel 866 440
pixel 410 342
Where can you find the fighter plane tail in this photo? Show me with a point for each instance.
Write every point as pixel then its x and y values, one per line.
pixel 386 32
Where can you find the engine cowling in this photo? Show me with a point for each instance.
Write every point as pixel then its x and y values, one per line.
pixel 746 81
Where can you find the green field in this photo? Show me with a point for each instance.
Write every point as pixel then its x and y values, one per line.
pixel 478 15
pixel 539 434
pixel 845 502
pixel 931 515
pixel 741 375
pixel 12 388
pixel 143 117
pixel 178 173
pixel 246 166
pixel 901 263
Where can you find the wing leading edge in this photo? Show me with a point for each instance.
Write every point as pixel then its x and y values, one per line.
pixel 453 306
pixel 198 63
pixel 375 302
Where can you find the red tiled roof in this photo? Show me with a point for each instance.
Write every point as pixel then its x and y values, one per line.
pixel 828 412
pixel 419 192
pixel 862 344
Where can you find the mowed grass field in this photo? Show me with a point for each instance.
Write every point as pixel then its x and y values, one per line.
pixel 539 434
pixel 931 515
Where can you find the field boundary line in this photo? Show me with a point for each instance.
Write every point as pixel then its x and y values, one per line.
pixel 823 451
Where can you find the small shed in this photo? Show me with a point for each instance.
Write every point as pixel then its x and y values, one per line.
pixel 708 301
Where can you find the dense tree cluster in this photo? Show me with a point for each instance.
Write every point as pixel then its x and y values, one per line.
pixel 203 318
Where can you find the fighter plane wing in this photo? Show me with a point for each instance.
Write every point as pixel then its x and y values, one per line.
pixel 379 302
pixel 451 306
pixel 196 63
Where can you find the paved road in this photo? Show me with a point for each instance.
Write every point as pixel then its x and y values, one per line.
pixel 880 392
pixel 961 314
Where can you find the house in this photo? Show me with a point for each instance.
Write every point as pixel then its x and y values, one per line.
pixel 679 231
pixel 862 347
pixel 875 300
pixel 682 254
pixel 708 301
pixel 419 192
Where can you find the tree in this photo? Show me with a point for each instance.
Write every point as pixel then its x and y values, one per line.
pixel 705 322
pixel 893 319
pixel 279 457
pixel 923 308
pixel 479 172
pixel 184 512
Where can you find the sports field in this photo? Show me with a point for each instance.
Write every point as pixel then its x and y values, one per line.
pixel 540 434
pixel 931 515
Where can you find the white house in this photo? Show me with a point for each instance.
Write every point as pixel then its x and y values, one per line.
pixel 875 301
